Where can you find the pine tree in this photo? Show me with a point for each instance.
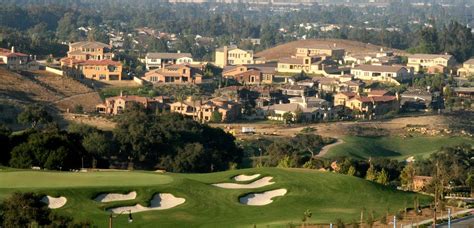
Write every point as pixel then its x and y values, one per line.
pixel 351 171
pixel 382 177
pixel 371 173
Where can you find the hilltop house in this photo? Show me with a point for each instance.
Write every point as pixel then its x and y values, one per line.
pixel 175 74
pixel 89 50
pixel 117 105
pixel 233 56
pixel 378 58
pixel 321 50
pixel 467 68
pixel 17 60
pixel 321 65
pixel 160 60
pixel 203 110
pixel 431 63
pixel 390 74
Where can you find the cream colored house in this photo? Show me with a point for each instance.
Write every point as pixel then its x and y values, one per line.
pixel 233 56
pixel 160 60
pixel 309 64
pixel 467 68
pixel 321 50
pixel 390 74
pixel 426 61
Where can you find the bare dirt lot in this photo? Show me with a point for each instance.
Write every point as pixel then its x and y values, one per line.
pixel 338 129
pixel 289 49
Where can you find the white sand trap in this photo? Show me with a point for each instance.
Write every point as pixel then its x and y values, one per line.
pixel 256 184
pixel 243 177
pixel 112 197
pixel 54 203
pixel 161 201
pixel 260 199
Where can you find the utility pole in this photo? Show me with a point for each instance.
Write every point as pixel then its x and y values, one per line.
pixel 449 217
pixel 436 193
pixel 394 221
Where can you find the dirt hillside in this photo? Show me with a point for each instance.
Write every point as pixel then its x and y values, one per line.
pixel 289 49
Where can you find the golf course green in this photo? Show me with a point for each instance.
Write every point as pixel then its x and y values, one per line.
pixel 393 147
pixel 328 195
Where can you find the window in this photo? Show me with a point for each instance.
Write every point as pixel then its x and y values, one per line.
pixel 102 77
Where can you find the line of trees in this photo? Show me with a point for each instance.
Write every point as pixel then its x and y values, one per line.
pixel 142 140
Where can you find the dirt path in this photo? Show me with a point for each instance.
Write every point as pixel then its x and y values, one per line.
pixel 326 148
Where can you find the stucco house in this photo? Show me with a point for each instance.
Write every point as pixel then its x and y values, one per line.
pixel 233 56
pixel 389 74
pixel 425 61
pixel 159 60
pixel 175 74
pixel 467 69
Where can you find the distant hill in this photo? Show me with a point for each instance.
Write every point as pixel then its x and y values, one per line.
pixel 289 49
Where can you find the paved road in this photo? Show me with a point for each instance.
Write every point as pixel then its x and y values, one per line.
pixel 470 220
pixel 467 222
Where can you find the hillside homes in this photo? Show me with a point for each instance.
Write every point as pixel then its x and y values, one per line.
pixel 233 56
pixel 102 70
pixel 467 68
pixel 431 63
pixel 304 109
pixel 250 74
pixel 92 60
pixel 160 60
pixel 390 74
pixel 175 74
pixel 367 106
pixel 16 60
pixel 117 105
pixel 203 111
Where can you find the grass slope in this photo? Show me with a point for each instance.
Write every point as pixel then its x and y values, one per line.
pixel 329 196
pixel 393 147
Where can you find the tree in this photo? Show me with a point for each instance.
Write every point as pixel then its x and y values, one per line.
pixel 24 210
pixel 382 177
pixel 407 175
pixel 216 117
pixel 5 144
pixel 285 163
pixel 34 115
pixel 470 182
pixel 96 144
pixel 371 174
pixel 351 171
pixel 287 117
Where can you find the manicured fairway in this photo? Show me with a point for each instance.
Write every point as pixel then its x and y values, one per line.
pixel 328 195
pixel 393 147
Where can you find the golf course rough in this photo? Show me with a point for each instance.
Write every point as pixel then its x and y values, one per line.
pixel 329 195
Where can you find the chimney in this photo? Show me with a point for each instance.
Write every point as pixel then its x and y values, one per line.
pixel 121 93
pixel 179 51
pixel 226 53
pixel 13 49
pixel 334 44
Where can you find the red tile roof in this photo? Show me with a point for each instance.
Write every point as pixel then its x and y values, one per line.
pixel 8 53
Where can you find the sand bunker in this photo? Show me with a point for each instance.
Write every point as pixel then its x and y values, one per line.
pixel 54 203
pixel 245 177
pixel 260 199
pixel 161 201
pixel 256 184
pixel 112 197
